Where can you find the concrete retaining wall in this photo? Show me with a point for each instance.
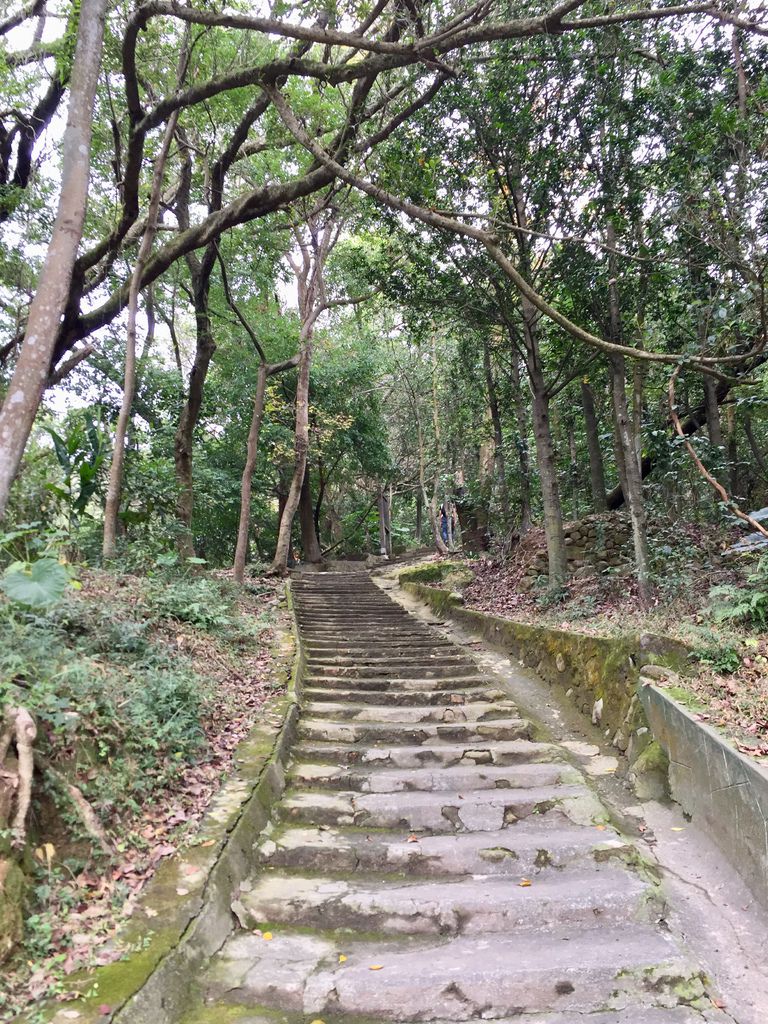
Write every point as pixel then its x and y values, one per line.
pixel 725 792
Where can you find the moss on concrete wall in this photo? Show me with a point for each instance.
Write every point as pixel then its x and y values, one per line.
pixel 600 674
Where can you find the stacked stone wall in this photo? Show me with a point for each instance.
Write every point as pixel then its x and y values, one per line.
pixel 593 545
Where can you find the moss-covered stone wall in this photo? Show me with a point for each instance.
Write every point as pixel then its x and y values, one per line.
pixel 600 674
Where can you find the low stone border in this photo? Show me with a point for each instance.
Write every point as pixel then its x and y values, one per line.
pixel 184 915
pixel 725 792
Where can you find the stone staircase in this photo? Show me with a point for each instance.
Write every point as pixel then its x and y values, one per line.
pixel 430 861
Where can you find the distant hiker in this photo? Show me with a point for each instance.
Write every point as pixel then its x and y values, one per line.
pixel 444 524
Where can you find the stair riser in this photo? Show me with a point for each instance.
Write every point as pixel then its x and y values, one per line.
pixel 426 756
pixel 470 734
pixel 420 780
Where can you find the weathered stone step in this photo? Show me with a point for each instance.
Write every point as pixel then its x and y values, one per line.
pixel 378 629
pixel 378 658
pixel 221 1012
pixel 399 684
pixel 428 754
pixel 485 810
pixel 381 732
pixel 403 713
pixel 456 978
pixel 419 644
pixel 457 779
pixel 414 669
pixel 412 698
pixel 529 847
pixel 467 906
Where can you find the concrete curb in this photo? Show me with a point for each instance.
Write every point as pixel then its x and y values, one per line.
pixel 184 915
pixel 724 792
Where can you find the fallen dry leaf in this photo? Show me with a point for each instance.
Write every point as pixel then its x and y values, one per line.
pixel 525 882
pixel 376 967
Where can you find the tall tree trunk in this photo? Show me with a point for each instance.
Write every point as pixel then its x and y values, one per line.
pixel 310 543
pixel 246 483
pixel 300 449
pixel 388 524
pixel 628 443
pixel 383 534
pixel 596 468
pixel 634 491
pixel 419 514
pixel 521 444
pixel 190 413
pixel 498 437
pixel 550 491
pixel 434 506
pixel 115 482
pixel 25 390
pixel 429 504
pixel 733 450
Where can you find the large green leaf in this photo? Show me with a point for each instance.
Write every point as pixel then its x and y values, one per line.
pixel 35 584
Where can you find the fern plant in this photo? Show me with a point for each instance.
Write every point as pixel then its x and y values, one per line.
pixel 747 604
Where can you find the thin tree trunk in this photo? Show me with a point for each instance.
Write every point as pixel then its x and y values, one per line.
pixel 246 483
pixel 382 505
pixel 712 410
pixel 634 491
pixel 628 444
pixel 440 544
pixel 498 436
pixel 550 491
pixel 521 443
pixel 430 505
pixel 190 413
pixel 596 467
pixel 25 390
pixel 419 515
pixel 309 540
pixel 115 482
pixel 759 455
pixel 388 525
pixel 733 450
pixel 301 449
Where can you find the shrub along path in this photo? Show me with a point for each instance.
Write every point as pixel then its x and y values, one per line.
pixel 430 861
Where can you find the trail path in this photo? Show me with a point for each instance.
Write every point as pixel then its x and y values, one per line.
pixel 430 861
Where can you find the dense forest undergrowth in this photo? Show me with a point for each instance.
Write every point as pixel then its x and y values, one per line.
pixel 339 281
pixel 142 688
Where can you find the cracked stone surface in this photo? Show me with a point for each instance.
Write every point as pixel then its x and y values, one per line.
pixel 432 861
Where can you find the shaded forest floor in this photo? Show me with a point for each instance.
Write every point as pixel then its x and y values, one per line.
pixel 142 689
pixel 728 678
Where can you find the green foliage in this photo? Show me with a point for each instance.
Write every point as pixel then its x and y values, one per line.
pixel 747 604
pixel 35 584
pixel 81 453
pixel 722 657
pixel 99 686
pixel 197 601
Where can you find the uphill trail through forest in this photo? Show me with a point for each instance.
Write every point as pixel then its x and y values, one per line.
pixel 433 860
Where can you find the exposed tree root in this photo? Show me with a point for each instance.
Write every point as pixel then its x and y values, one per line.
pixel 88 817
pixel 19 727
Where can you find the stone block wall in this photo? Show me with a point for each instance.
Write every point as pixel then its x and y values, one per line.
pixel 593 544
